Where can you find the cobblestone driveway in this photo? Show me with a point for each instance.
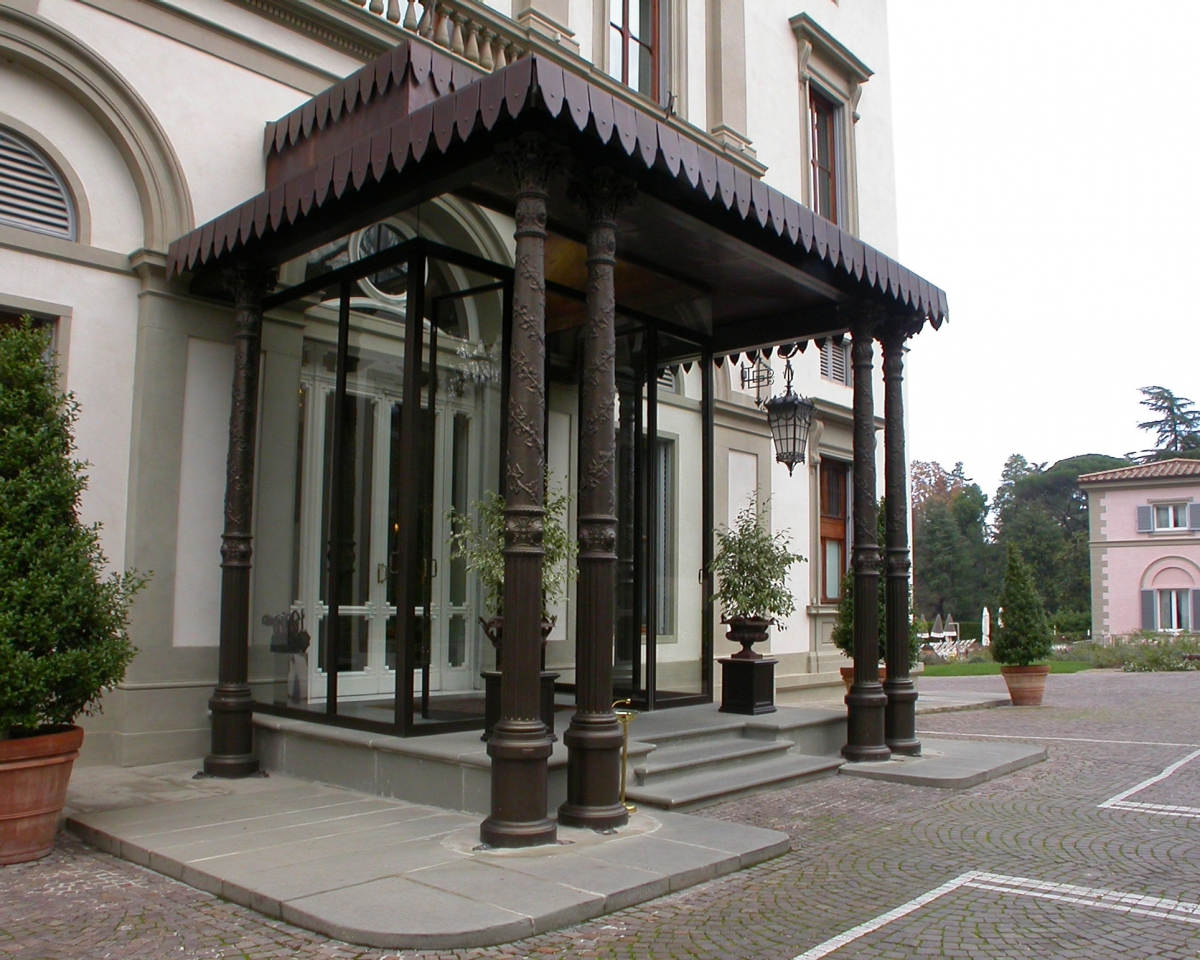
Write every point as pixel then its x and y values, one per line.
pixel 861 848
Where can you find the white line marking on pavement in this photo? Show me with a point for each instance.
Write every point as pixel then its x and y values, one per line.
pixel 835 943
pixel 1161 809
pixel 1017 736
pixel 1150 781
pixel 1116 900
pixel 1090 897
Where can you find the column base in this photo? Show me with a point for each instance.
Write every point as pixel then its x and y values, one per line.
pixel 593 773
pixel 491 702
pixel 232 756
pixel 509 834
pixel 865 742
pixel 747 686
pixel 519 750
pixel 900 717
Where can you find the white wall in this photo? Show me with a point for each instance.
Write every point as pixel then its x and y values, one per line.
pixel 110 194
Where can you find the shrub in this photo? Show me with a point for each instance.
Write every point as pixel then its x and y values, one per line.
pixel 843 628
pixel 63 621
pixel 1023 636
pixel 751 567
pixel 480 544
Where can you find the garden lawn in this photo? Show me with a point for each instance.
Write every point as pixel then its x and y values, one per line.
pixel 985 669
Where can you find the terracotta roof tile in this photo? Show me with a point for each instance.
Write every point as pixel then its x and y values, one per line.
pixel 1148 471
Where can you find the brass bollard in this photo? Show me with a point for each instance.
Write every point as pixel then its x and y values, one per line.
pixel 625 718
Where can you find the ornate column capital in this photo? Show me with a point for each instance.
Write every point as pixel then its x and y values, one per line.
pixel 531 161
pixel 601 192
pixel 248 283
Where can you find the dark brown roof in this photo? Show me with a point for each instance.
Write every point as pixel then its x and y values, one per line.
pixel 531 91
pixel 1147 471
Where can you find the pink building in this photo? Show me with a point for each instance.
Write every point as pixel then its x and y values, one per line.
pixel 1145 547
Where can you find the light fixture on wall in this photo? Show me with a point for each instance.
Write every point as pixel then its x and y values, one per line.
pixel 790 416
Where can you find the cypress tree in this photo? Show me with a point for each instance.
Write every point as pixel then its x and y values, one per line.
pixel 1023 636
pixel 63 620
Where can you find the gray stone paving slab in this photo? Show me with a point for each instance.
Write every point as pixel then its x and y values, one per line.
pixel 375 913
pixel 951 764
pixel 431 825
pixel 684 864
pixel 557 904
pixel 388 873
pixel 597 876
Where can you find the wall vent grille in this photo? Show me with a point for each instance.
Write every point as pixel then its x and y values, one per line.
pixel 32 194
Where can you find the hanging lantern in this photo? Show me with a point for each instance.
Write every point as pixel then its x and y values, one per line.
pixel 790 417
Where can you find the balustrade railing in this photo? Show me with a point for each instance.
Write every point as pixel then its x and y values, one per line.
pixel 470 30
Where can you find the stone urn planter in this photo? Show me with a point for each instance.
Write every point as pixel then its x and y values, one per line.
pixel 747 631
pixel 34 772
pixel 747 677
pixel 1026 685
pixel 493 629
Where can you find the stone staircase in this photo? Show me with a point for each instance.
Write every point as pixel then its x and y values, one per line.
pixel 728 757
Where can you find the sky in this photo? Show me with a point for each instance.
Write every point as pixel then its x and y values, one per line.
pixel 1048 179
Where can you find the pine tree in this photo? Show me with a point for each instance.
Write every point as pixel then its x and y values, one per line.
pixel 1023 636
pixel 1177 430
pixel 62 620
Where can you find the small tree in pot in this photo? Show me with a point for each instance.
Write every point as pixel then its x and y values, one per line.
pixel 480 544
pixel 1023 636
pixel 63 620
pixel 751 566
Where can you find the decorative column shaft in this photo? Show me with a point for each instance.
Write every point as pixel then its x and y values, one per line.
pixel 520 744
pixel 594 737
pixel 900 716
pixel 866 701
pixel 232 704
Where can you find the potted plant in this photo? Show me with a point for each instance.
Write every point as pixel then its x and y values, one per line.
pixel 63 620
pixel 479 542
pixel 1023 636
pixel 751 566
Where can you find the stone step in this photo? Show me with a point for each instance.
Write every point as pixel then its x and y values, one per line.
pixel 686 757
pixel 704 788
pixel 724 730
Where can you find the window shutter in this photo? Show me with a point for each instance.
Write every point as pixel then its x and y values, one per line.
pixel 32 195
pixel 840 367
pixel 826 365
pixel 1148 610
pixel 1145 519
pixel 1194 516
pixel 1194 626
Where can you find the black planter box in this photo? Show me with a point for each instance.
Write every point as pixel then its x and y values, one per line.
pixel 747 686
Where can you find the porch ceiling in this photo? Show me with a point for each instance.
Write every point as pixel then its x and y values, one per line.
pixel 735 259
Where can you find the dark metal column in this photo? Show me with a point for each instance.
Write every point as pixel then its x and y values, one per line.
pixel 866 701
pixel 520 745
pixel 595 737
pixel 231 703
pixel 900 716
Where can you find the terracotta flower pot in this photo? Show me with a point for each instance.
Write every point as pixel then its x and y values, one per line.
pixel 1026 685
pixel 848 675
pixel 34 772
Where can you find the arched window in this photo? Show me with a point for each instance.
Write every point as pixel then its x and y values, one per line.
pixel 32 193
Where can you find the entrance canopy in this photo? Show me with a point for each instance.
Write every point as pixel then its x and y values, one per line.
pixel 705 246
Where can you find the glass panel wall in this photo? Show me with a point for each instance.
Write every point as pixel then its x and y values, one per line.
pixel 676 531
pixel 374 425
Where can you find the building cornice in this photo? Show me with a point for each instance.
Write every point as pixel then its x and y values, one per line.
pixel 356 30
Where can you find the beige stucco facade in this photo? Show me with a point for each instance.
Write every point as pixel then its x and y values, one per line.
pixel 153 113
